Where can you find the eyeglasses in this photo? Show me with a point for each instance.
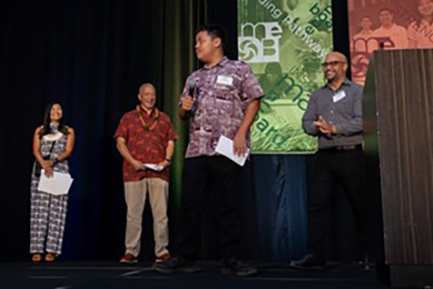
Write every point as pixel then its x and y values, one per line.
pixel 331 63
pixel 148 94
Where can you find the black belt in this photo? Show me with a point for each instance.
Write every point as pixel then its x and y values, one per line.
pixel 343 148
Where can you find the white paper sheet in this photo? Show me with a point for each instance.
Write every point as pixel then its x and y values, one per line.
pixel 225 147
pixel 58 184
pixel 153 167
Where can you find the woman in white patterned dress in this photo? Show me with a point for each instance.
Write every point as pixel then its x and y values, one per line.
pixel 53 143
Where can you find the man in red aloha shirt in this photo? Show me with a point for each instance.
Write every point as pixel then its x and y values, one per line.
pixel 145 138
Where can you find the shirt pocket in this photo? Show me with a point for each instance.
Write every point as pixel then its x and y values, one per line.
pixel 223 90
pixel 224 98
pixel 344 106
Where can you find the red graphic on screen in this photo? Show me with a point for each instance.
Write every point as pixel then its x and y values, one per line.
pixel 387 24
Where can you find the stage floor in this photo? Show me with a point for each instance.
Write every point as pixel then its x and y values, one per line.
pixel 107 275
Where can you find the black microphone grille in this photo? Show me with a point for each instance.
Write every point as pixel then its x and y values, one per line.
pixel 191 87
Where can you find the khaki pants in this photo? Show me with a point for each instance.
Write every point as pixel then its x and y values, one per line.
pixel 135 196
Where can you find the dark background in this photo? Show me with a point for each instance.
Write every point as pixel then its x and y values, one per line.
pixel 92 56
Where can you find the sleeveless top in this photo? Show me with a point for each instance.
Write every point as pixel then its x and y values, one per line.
pixel 57 141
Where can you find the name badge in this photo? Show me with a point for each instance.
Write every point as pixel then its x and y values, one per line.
pixel 225 80
pixel 339 96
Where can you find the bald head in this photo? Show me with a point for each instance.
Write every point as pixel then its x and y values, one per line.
pixel 338 56
pixel 335 67
pixel 144 85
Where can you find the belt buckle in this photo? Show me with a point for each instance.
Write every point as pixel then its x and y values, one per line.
pixel 352 147
pixel 344 148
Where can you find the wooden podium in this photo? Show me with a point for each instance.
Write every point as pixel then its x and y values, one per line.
pixel 398 124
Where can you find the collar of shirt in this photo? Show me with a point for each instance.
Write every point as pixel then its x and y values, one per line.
pixel 426 23
pixel 223 62
pixel 346 82
pixel 365 33
pixel 393 26
pixel 144 112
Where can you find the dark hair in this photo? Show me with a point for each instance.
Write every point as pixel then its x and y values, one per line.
pixel 47 120
pixel 214 31
pixel 386 9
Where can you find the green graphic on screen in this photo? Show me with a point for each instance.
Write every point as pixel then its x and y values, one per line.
pixel 285 42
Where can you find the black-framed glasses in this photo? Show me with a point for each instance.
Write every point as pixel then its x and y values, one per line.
pixel 331 63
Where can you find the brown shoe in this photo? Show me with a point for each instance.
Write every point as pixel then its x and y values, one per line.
pixel 50 257
pixel 163 257
pixel 36 258
pixel 128 258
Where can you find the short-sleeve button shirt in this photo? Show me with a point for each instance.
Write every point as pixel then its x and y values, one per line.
pixel 149 147
pixel 222 94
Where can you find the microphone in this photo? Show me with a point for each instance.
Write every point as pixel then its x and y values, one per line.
pixel 191 88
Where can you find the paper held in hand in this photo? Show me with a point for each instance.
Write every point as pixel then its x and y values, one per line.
pixel 58 184
pixel 153 167
pixel 225 147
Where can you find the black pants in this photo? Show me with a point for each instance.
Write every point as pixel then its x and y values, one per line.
pixel 347 168
pixel 200 176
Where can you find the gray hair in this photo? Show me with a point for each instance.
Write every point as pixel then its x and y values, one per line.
pixel 147 84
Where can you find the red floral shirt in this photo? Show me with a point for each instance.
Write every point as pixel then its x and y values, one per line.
pixel 149 147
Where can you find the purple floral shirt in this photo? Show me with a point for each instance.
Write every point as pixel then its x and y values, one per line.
pixel 222 93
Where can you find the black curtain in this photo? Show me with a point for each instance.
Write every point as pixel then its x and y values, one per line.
pixel 92 56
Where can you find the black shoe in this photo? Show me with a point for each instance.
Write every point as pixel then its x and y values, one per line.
pixel 239 268
pixel 309 262
pixel 366 264
pixel 176 265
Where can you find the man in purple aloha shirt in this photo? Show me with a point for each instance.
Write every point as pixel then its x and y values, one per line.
pixel 222 98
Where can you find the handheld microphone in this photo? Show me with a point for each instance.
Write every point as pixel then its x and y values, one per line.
pixel 191 88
